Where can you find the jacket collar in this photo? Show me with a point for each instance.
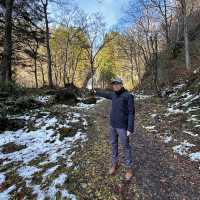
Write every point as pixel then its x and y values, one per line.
pixel 118 93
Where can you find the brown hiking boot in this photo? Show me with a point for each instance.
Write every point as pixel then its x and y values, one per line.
pixel 129 174
pixel 113 169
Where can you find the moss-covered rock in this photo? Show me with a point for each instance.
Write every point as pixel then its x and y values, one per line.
pixel 11 124
pixel 10 88
pixel 12 147
pixel 66 132
pixel 67 97
pixel 90 100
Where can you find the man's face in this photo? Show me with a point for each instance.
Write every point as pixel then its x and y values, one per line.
pixel 116 87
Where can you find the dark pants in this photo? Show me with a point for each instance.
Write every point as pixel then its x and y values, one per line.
pixel 124 139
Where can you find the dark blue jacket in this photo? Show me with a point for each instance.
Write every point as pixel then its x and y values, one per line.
pixel 122 114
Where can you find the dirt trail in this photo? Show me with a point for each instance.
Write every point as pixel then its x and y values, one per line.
pixel 159 173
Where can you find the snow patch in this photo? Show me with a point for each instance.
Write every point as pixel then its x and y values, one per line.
pixel 150 128
pixel 43 99
pixel 50 171
pixel 195 156
pixel 2 178
pixel 183 148
pixel 84 106
pixel 66 194
pixel 153 115
pixel 142 96
pixel 190 133
pixel 60 180
pixel 6 193
pixel 39 142
pixel 174 111
pixel 27 171
pixel 167 139
pixel 44 144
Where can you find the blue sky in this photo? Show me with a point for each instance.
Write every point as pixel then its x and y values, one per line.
pixel 111 9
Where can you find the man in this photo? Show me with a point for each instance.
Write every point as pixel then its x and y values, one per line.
pixel 122 124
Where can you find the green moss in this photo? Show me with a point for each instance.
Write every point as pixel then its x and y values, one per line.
pixel 66 132
pixel 31 126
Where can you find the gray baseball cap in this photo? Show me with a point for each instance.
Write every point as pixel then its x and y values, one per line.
pixel 116 80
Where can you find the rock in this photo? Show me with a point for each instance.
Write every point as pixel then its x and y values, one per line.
pixel 12 147
pixel 66 132
pixel 70 94
pixel 84 185
pixel 11 124
pixel 4 94
pixel 90 100
pixel 27 103
pixel 66 97
pixel 51 92
pixel 19 105
pixel 86 92
pixel 72 88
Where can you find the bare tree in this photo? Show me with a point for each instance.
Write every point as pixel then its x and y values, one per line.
pixel 42 70
pixel 33 45
pixel 132 51
pixel 96 40
pixel 154 46
pixel 184 11
pixel 45 11
pixel 72 24
pixel 5 67
pixel 165 10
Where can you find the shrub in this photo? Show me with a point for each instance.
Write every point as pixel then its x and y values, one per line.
pixel 10 88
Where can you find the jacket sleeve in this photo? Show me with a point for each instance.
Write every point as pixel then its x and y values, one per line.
pixel 105 94
pixel 131 113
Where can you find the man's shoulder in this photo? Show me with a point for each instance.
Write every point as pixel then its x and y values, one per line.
pixel 128 93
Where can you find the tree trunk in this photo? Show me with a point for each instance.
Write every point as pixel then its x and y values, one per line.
pixel 48 46
pixel 36 79
pixel 154 45
pixel 6 71
pixel 156 66
pixel 92 72
pixel 186 38
pixel 75 67
pixel 186 41
pixel 64 73
pixel 137 66
pixel 54 70
pixel 43 80
pixel 35 63
pixel 92 60
pixel 85 82
pixel 166 24
pixel 132 70
pixel 65 64
pixel 42 71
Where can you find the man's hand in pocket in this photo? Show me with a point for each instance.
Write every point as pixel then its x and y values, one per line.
pixel 128 133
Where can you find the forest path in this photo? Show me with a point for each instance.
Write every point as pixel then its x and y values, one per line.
pixel 159 173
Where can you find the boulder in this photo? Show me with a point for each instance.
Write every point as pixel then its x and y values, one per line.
pixel 4 94
pixel 89 100
pixel 19 105
pixel 27 103
pixel 12 147
pixel 66 97
pixel 11 124
pixel 66 132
